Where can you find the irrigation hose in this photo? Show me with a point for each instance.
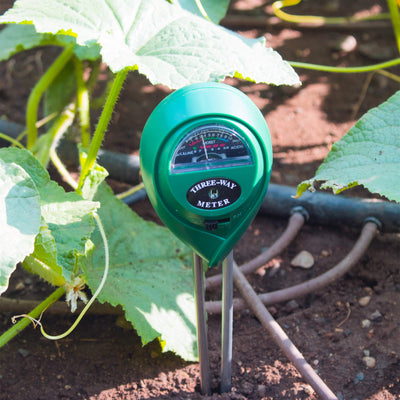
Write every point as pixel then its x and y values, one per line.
pixel 323 208
pixel 280 337
pixel 367 234
pixel 296 222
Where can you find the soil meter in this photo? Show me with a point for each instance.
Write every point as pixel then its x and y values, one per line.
pixel 206 159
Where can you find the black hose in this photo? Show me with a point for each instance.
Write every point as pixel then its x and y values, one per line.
pixel 322 208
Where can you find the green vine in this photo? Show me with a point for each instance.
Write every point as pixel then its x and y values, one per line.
pixel 318 20
pixel 38 91
pixel 82 101
pixel 102 126
pixel 33 315
pixel 13 141
pixel 57 129
pixel 395 16
pixel 350 70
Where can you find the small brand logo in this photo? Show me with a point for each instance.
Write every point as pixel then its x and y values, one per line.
pixel 213 193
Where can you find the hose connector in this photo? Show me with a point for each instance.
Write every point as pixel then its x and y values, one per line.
pixel 302 211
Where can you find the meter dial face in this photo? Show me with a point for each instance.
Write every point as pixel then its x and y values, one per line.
pixel 210 146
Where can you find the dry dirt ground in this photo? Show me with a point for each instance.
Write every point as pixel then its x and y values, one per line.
pixel 102 360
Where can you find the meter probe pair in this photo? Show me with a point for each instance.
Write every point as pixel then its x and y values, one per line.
pixel 206 159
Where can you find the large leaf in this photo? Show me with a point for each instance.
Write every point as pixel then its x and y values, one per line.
pixel 67 216
pixel 368 155
pixel 215 9
pixel 165 42
pixel 149 276
pixel 19 218
pixel 16 38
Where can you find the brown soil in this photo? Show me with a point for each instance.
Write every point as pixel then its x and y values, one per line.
pixel 102 360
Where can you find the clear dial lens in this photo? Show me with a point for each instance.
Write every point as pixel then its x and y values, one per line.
pixel 210 146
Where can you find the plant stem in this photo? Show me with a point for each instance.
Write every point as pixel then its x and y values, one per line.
pixel 82 101
pixel 37 93
pixel 298 19
pixel 389 75
pixel 130 191
pixel 57 129
pixel 61 169
pixel 202 10
pixel 395 16
pixel 13 141
pixel 347 70
pixel 35 313
pixel 102 126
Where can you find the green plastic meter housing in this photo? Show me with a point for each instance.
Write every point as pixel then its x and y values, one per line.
pixel 206 159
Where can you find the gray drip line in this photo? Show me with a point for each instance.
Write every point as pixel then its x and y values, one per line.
pixel 280 337
pixel 368 232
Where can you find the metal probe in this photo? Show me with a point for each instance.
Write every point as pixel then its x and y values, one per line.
pixel 227 323
pixel 204 361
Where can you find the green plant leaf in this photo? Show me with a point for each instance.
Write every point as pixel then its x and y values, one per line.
pixel 19 218
pixel 368 155
pixel 94 178
pixel 16 38
pixel 67 216
pixel 165 42
pixel 149 276
pixel 215 9
pixel 44 259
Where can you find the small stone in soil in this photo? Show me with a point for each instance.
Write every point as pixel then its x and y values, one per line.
pixel 359 377
pixel 20 286
pixel 345 43
pixel 376 316
pixel 24 353
pixel 364 301
pixel 369 362
pixel 303 260
pixel 324 253
pixel 365 323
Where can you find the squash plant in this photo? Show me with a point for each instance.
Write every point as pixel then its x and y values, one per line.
pixel 52 232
